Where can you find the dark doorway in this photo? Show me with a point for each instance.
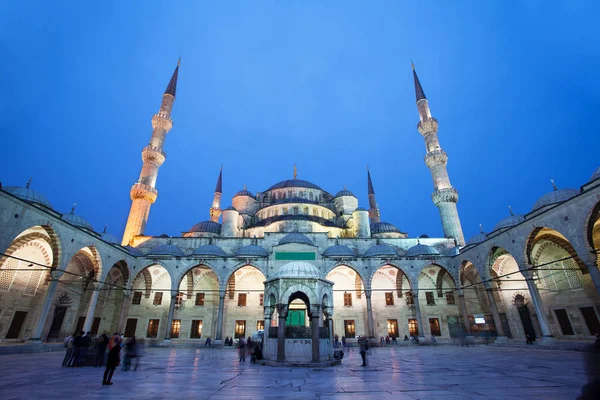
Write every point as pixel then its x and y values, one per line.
pixel 563 321
pixel 15 326
pixel 59 316
pixel 95 326
pixel 591 319
pixel 80 323
pixel 130 327
pixel 505 325
pixel 525 317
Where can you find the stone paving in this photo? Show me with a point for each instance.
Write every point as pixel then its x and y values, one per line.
pixel 398 373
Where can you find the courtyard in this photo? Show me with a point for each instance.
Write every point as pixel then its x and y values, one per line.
pixel 441 372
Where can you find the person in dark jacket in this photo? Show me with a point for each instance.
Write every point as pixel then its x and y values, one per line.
pixel 102 344
pixel 114 358
pixel 76 349
pixel 86 342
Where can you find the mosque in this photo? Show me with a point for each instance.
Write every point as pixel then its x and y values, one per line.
pixel 296 255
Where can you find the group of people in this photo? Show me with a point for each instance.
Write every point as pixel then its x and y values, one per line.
pixel 77 346
pixel 388 340
pixel 250 347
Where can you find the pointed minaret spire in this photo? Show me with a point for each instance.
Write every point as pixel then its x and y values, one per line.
pixel 172 86
pixel 444 196
pixel 215 210
pixel 374 215
pixel 295 172
pixel 143 193
pixel 510 210
pixel 553 184
pixel 105 226
pixel 73 208
pixel 418 88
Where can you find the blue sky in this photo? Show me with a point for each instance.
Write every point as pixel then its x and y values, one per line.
pixel 326 85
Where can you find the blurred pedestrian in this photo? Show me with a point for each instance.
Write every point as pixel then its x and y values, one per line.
pixel 101 345
pixel 364 347
pixel 591 391
pixel 113 361
pixel 242 349
pixel 73 362
pixel 69 349
pixel 86 342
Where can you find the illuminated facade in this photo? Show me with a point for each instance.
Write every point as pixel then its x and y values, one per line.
pixel 533 274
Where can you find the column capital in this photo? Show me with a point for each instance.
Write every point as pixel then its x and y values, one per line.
pixel 282 310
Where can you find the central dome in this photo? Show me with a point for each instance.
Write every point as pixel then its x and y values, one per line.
pixel 290 183
pixel 299 269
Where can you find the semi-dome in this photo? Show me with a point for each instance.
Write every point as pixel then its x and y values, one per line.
pixel 166 250
pixel 421 250
pixel 381 250
pixel 133 251
pixel 251 250
pixel 108 238
pixel 509 221
pixel 244 192
pixel 480 237
pixel 554 197
pixel 77 220
pixel 453 251
pixel 209 250
pixel 29 195
pixel 299 269
pixel 596 174
pixel 339 251
pixel 207 226
pixel 344 192
pixel 384 227
pixel 296 238
pixel 299 183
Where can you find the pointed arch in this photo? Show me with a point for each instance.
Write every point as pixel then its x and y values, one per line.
pixel 543 233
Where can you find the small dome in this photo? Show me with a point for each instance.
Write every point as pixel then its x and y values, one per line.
pixel 251 250
pixel 230 208
pixel 596 174
pixel 29 195
pixel 166 250
pixel 209 250
pixel 133 251
pixel 381 250
pixel 164 235
pixel 554 197
pixel 480 237
pixel 299 269
pixel 361 209
pixel 344 192
pixel 339 251
pixel 207 226
pixel 108 238
pixel 295 238
pixel 383 227
pixel 294 183
pixel 424 236
pixel 244 192
pixel 77 221
pixel 421 250
pixel 509 221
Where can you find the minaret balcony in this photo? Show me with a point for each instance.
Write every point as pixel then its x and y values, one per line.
pixel 141 191
pixel 153 154
pixel 428 125
pixel 162 121
pixel 447 195
pixel 436 157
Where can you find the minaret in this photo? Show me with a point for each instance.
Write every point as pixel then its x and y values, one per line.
pixel 215 210
pixel 143 192
pixel 444 195
pixel 373 208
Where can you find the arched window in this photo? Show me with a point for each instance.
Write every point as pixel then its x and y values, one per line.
pixel 295 210
pixel 305 211
pixel 310 195
pixel 285 210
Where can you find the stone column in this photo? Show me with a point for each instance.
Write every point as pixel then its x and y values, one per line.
pixel 315 317
pixel 463 309
pixel 219 335
pixel 537 304
pixel 123 312
pixel 495 314
pixel 39 326
pixel 171 314
pixel 421 327
pixel 268 313
pixel 89 318
pixel 370 324
pixel 595 275
pixel 282 312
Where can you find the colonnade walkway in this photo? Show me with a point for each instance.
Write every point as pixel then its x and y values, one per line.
pixel 398 373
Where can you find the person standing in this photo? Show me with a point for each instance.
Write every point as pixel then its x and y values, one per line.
pixel 242 349
pixel 102 344
pixel 73 362
pixel 114 358
pixel 86 342
pixel 364 347
pixel 69 347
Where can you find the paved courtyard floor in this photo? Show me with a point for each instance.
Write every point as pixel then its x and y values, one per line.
pixel 398 373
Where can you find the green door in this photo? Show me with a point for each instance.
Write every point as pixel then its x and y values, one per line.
pixel 295 318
